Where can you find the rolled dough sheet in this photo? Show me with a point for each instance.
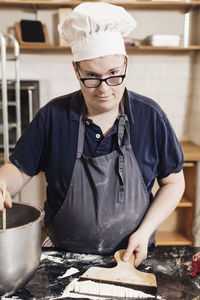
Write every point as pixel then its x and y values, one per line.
pixel 76 288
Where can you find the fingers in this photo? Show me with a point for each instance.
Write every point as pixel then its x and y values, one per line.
pixel 5 200
pixel 139 257
pixel 131 247
pixel 8 200
pixel 128 253
pixel 139 246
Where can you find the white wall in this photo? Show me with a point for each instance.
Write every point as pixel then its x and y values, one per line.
pixel 194 107
pixel 171 79
pixel 166 79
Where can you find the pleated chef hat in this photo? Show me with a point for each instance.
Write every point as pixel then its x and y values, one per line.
pixel 96 29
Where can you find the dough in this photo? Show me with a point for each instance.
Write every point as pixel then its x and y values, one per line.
pixel 69 272
pixel 76 289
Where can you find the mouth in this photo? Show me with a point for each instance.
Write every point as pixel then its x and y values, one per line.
pixel 103 98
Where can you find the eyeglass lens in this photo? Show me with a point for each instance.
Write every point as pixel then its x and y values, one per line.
pixel 110 81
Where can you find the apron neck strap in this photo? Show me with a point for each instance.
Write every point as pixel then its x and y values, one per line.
pixel 81 131
pixel 123 127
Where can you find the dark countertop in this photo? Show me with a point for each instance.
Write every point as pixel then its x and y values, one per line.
pixel 169 264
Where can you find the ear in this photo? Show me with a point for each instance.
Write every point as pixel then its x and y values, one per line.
pixel 75 70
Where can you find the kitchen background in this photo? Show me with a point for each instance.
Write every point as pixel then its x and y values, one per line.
pixel 171 78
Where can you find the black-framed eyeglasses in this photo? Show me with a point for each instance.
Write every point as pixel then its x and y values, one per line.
pixel 96 82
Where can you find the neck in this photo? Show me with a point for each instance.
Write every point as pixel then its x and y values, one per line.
pixel 105 120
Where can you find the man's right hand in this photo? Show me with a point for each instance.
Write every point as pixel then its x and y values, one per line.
pixel 5 200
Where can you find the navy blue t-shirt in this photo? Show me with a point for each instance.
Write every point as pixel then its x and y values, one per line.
pixel 49 144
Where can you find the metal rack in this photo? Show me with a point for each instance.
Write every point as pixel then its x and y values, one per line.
pixel 4 38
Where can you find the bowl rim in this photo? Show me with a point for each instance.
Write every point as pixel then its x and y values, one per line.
pixel 27 224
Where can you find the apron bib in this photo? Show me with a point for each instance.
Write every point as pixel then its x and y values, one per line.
pixel 106 200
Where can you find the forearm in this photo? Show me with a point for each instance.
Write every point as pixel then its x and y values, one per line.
pixel 166 199
pixel 13 178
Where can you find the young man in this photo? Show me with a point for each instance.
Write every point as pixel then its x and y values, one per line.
pixel 101 147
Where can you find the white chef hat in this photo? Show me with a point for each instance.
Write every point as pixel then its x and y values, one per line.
pixel 96 29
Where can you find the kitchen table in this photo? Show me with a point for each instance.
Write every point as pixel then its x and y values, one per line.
pixel 169 264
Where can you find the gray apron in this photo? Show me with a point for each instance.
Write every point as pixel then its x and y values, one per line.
pixel 106 200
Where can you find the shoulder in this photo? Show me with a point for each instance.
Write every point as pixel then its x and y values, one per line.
pixel 145 112
pixel 140 103
pixel 68 105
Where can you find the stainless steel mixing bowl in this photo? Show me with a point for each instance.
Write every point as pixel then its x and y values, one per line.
pixel 20 246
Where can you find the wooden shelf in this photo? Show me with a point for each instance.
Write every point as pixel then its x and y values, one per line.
pixel 130 49
pixel 158 48
pixel 131 5
pixel 185 203
pixel 188 164
pixel 41 49
pixel 191 151
pixel 165 238
pixel 177 228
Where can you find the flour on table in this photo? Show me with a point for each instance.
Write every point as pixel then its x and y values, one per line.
pixel 85 257
pixel 99 290
pixel 69 272
pixel 52 258
pixel 189 265
pixel 197 284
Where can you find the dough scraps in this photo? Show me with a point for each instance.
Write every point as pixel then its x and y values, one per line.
pixel 69 272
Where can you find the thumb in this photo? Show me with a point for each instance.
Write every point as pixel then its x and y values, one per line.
pixel 129 251
pixel 8 200
pixel 5 200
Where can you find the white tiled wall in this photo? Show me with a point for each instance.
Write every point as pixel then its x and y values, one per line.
pixel 194 107
pixel 166 79
pixel 55 73
pixel 171 79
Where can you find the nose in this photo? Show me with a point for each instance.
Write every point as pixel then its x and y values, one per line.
pixel 103 86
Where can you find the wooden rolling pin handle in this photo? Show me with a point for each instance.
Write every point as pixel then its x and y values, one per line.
pixel 4 218
pixel 4 209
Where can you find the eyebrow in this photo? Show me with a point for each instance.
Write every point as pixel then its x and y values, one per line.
pixel 98 74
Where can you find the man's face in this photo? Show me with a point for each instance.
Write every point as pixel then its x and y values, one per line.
pixel 103 98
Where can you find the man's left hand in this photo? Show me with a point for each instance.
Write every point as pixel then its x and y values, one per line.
pixel 138 243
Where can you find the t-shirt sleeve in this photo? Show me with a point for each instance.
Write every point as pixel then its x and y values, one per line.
pixel 169 150
pixel 29 149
